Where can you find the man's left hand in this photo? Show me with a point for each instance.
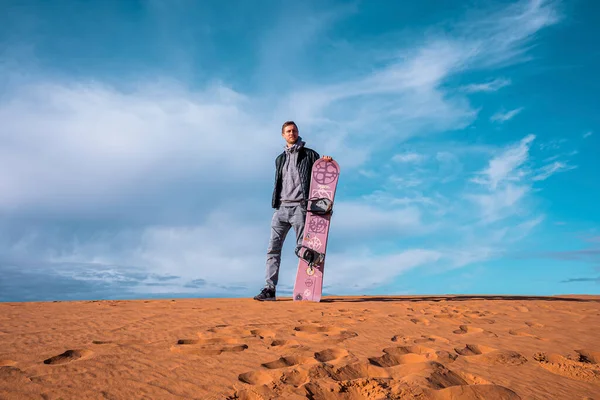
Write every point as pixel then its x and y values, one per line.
pixel 327 158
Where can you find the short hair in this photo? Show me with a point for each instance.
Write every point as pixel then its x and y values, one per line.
pixel 286 123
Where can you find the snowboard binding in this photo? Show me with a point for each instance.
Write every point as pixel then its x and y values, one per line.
pixel 320 205
pixel 311 256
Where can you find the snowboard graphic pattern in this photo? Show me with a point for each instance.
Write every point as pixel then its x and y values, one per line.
pixel 309 278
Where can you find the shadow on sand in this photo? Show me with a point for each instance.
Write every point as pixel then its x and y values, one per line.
pixel 449 298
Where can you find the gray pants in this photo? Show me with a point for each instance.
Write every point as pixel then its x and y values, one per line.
pixel 283 219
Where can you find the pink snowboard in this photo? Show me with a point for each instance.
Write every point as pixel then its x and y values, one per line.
pixel 311 262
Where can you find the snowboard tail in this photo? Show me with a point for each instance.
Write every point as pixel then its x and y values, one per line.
pixel 312 251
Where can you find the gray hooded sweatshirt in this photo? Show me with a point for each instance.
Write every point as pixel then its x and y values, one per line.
pixel 291 191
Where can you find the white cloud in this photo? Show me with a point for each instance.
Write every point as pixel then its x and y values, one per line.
pixel 524 228
pixel 587 134
pixel 409 181
pixel 505 116
pixel 367 173
pixel 449 167
pixel 510 30
pixel 550 169
pixel 500 203
pixel 361 269
pixel 491 86
pixel 222 251
pixel 509 178
pixel 358 219
pixel 507 165
pixel 382 198
pixel 409 157
pixel 552 144
pixel 90 145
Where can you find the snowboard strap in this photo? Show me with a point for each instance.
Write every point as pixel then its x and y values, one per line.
pixel 309 255
pixel 320 205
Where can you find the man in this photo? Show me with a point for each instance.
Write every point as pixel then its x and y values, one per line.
pixel 293 169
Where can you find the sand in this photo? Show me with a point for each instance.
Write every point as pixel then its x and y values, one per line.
pixel 448 347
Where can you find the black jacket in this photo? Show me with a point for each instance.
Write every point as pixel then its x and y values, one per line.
pixel 306 159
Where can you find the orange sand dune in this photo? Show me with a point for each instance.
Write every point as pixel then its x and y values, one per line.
pixel 425 347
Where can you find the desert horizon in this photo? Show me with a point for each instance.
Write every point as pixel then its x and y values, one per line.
pixel 345 347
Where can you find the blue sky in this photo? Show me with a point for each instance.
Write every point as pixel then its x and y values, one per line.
pixel 138 138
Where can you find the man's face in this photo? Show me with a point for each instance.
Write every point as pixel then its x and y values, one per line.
pixel 290 134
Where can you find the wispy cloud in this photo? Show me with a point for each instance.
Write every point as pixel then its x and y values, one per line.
pixel 500 203
pixel 491 86
pixel 552 144
pixel 589 255
pixel 593 239
pixel 508 180
pixel 574 280
pixel 358 219
pixel 523 19
pixel 587 134
pixel 408 157
pixel 548 170
pixel 449 166
pixel 505 116
pixel 388 266
pixel 506 166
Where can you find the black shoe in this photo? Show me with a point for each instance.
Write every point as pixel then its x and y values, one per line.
pixel 267 294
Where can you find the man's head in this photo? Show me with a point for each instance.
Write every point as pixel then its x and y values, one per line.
pixel 289 131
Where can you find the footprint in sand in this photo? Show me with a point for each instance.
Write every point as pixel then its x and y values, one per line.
pixel 479 316
pixel 228 330
pixel 285 343
pixel 473 392
pixel 472 379
pixel 284 362
pixel 447 316
pixel 503 357
pixel 587 356
pixel 464 329
pixel 468 329
pixel 256 377
pixel 410 355
pixel 534 324
pixel 263 333
pixel 525 334
pixel 351 371
pixel 289 378
pixel 314 331
pixel 491 356
pixel 120 343
pixel 286 371
pixel 335 355
pixel 473 350
pixel 263 379
pixel 437 382
pixel 294 377
pixel 585 368
pixel 69 356
pixel 269 384
pixel 418 340
pixel 100 342
pixel 208 346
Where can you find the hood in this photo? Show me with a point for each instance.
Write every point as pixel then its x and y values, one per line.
pixel 296 146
